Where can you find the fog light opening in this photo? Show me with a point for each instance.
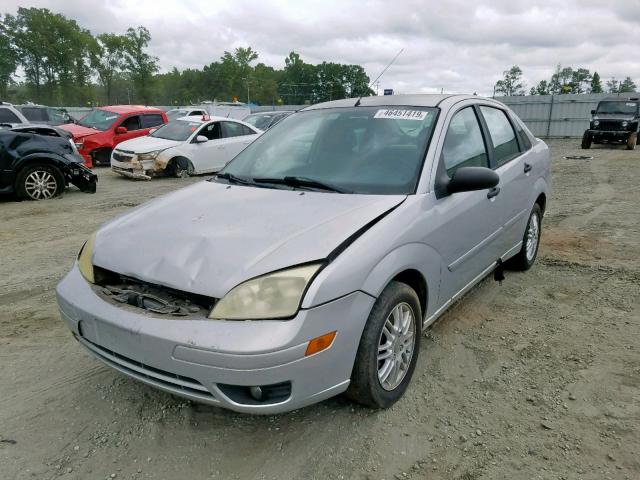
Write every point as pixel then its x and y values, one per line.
pixel 256 393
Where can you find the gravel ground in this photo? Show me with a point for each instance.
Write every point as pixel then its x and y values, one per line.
pixel 537 378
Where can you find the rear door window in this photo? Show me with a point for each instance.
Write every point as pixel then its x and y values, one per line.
pixel 7 116
pixel 151 120
pixel 464 145
pixel 505 144
pixel 232 129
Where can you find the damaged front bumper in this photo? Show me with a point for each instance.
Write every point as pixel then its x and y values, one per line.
pixel 128 165
pixel 80 176
pixel 217 361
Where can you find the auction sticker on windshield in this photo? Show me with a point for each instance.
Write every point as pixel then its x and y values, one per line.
pixel 397 114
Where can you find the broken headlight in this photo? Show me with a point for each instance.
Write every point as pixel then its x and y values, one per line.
pixel 85 263
pixel 275 295
pixel 149 155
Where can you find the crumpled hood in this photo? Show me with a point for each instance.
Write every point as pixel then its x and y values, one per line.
pixel 146 144
pixel 209 237
pixel 78 131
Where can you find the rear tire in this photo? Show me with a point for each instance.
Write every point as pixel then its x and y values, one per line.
pixel 631 141
pixel 587 138
pixel 39 182
pixel 392 332
pixel 526 257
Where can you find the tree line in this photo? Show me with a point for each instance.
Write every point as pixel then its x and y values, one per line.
pixel 564 80
pixel 48 58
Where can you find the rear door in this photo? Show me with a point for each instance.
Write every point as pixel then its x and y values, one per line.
pixel 514 163
pixel 468 224
pixel 236 137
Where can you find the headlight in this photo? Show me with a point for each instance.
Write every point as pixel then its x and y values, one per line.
pixel 596 123
pixel 149 155
pixel 85 264
pixel 624 123
pixel 275 295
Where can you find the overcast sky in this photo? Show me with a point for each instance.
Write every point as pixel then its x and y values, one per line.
pixel 460 46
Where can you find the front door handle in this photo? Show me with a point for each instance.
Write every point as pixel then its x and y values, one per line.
pixel 493 192
pixel 527 167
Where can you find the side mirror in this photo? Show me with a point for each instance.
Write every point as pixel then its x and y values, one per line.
pixel 201 139
pixel 468 179
pixel 593 112
pixel 121 130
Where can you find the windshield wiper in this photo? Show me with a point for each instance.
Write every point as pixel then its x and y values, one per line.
pixel 233 179
pixel 293 181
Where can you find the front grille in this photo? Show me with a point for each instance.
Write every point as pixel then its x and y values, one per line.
pixel 610 125
pixel 121 157
pixel 146 373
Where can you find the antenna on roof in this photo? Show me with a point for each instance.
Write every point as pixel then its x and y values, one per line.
pixel 381 73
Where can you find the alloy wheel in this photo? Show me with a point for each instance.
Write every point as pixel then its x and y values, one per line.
pixel 395 346
pixel 40 185
pixel 533 234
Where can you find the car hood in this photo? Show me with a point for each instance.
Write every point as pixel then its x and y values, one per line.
pixel 614 116
pixel 78 131
pixel 209 237
pixel 147 144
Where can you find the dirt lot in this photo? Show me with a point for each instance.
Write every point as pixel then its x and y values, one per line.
pixel 537 378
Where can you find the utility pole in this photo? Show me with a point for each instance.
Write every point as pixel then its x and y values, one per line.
pixel 246 79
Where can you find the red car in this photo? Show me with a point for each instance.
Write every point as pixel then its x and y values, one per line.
pixel 98 132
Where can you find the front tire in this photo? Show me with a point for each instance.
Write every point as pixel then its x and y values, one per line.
pixel 388 349
pixel 181 167
pixel 631 141
pixel 587 138
pixel 39 182
pixel 526 257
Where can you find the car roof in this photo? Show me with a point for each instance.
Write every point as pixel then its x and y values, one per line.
pixel 274 112
pixel 198 119
pixel 121 109
pixel 414 100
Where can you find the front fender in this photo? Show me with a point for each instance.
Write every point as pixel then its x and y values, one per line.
pixel 49 157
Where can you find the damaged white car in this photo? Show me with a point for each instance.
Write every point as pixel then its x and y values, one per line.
pixel 186 146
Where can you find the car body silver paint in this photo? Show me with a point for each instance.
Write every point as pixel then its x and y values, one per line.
pixel 219 236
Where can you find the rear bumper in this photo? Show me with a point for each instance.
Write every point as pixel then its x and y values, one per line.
pixel 198 359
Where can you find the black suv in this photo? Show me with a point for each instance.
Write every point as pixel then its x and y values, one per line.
pixel 615 120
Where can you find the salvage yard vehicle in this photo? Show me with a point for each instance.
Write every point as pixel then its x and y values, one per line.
pixel 176 113
pixel 266 120
pixel 183 147
pixel 310 265
pixel 9 115
pixel 44 115
pixel 39 167
pixel 615 120
pixel 98 132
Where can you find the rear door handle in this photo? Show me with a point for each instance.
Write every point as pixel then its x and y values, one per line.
pixel 493 192
pixel 527 167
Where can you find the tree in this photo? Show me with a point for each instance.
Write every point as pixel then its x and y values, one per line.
pixel 298 80
pixel 541 89
pixel 511 83
pixel 139 64
pixel 596 83
pixel 580 80
pixel 627 85
pixel 612 85
pixel 107 59
pixel 8 60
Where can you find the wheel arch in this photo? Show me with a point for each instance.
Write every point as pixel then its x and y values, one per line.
pixel 40 158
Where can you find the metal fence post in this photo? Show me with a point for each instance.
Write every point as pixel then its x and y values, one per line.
pixel 550 115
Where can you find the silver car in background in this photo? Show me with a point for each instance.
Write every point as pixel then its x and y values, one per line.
pixel 311 263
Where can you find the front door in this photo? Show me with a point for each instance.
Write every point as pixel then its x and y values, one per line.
pixel 467 225
pixel 209 156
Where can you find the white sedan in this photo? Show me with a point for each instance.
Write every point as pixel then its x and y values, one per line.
pixel 186 146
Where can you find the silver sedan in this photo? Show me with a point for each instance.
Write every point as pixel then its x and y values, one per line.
pixel 310 264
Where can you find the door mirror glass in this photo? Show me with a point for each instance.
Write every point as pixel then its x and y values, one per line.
pixel 468 179
pixel 593 112
pixel 121 130
pixel 201 139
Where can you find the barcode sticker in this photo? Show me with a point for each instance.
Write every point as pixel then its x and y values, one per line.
pixel 399 114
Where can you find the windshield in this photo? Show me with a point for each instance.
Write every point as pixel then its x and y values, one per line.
pixel 626 108
pixel 178 130
pixel 99 119
pixel 366 150
pixel 176 113
pixel 259 121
